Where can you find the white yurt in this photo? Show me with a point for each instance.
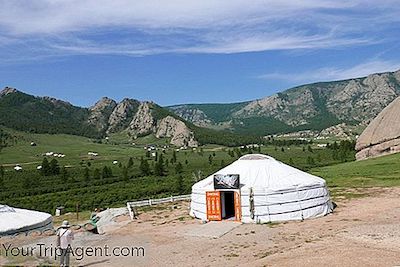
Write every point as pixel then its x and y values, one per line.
pixel 14 221
pixel 266 190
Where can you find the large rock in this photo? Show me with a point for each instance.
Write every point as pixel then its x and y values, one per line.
pixel 175 129
pixel 382 136
pixel 7 90
pixel 143 122
pixel 100 113
pixel 122 115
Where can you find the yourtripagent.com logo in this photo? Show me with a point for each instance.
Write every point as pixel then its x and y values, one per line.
pixel 77 252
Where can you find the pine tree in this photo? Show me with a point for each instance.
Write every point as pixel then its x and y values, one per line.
pixel 173 160
pixel 144 167
pixel 45 167
pixel 1 176
pixel 105 172
pixel 64 173
pixel 179 185
pixel 86 174
pixel 2 171
pixel 96 174
pixel 159 168
pixel 26 182
pixel 222 163
pixel 178 168
pixel 110 174
pixel 210 159
pixel 130 163
pixel 310 160
pixel 125 173
pixel 309 149
pixel 54 169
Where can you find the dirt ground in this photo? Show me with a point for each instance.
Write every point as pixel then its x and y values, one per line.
pixel 360 232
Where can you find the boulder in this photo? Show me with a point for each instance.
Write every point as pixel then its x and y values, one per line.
pixel 382 136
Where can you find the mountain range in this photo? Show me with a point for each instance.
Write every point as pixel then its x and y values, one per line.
pixel 314 106
pixel 130 117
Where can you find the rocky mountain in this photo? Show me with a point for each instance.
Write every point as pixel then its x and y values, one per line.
pixel 100 113
pixel 308 107
pixel 140 119
pixel 122 115
pixel 48 115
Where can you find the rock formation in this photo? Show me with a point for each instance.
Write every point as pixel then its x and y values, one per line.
pixel 122 115
pixel 100 113
pixel 7 90
pixel 177 130
pixel 143 122
pixel 382 136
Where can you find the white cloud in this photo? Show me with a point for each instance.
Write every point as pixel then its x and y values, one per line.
pixel 55 16
pixel 182 26
pixel 332 73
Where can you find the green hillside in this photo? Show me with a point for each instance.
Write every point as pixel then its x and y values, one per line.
pixel 349 179
pixel 216 112
pixel 24 112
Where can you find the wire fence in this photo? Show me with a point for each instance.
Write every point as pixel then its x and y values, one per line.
pixel 150 202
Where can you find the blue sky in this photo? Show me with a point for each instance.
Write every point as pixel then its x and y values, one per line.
pixel 178 51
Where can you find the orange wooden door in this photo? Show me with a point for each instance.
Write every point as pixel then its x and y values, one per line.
pixel 238 208
pixel 213 205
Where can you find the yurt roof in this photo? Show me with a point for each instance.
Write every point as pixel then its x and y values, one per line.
pixel 14 218
pixel 385 127
pixel 261 171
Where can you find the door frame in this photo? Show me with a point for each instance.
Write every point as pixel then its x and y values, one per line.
pixel 214 204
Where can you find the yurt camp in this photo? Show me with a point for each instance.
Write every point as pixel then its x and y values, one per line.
pixel 16 221
pixel 257 188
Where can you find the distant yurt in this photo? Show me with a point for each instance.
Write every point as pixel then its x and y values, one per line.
pixel 14 221
pixel 257 188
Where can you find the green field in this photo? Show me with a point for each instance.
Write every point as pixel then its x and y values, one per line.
pixel 377 172
pixel 85 183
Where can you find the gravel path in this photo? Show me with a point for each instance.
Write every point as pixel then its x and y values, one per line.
pixel 360 232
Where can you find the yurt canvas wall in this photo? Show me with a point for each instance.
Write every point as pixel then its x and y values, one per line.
pixel 269 191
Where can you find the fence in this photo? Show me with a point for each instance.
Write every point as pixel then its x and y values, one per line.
pixel 150 202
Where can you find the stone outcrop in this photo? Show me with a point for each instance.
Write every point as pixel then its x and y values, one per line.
pixel 122 115
pixel 100 113
pixel 382 136
pixel 139 119
pixel 143 122
pixel 7 90
pixel 177 130
pixel 195 115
